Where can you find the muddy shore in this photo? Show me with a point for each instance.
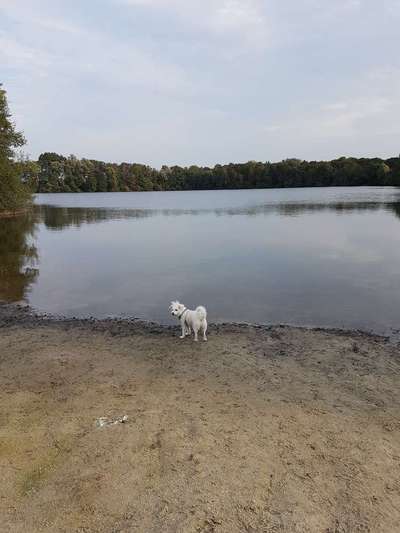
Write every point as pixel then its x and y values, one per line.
pixel 261 429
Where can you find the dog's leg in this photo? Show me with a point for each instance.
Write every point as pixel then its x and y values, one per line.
pixel 204 330
pixel 195 331
pixel 183 330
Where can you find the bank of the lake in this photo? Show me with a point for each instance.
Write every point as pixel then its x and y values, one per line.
pixel 260 429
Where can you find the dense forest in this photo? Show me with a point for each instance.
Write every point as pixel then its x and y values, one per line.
pixel 56 173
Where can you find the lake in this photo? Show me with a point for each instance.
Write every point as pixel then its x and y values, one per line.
pixel 318 256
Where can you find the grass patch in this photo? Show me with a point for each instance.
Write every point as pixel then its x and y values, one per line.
pixel 34 478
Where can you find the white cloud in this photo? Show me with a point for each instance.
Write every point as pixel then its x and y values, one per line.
pixel 244 19
pixel 15 54
pixel 203 81
pixel 68 50
pixel 366 111
pixel 23 11
pixel 344 118
pixel 393 7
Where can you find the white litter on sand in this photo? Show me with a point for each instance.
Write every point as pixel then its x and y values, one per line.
pixel 104 421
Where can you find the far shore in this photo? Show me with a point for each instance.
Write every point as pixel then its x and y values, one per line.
pixel 260 429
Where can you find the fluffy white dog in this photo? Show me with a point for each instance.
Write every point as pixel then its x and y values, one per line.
pixel 190 320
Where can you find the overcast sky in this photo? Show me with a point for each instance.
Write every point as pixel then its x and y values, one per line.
pixel 203 81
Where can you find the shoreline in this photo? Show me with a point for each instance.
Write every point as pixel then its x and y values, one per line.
pixel 24 315
pixel 228 189
pixel 118 425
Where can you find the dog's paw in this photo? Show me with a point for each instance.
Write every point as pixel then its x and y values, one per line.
pixel 182 337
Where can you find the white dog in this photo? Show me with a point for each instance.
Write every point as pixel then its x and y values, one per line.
pixel 196 320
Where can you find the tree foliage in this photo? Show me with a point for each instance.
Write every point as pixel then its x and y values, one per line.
pixel 13 193
pixel 56 173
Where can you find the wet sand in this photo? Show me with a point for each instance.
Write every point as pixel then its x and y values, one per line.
pixel 260 429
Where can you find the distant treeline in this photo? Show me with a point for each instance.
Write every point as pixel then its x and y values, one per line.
pixel 56 173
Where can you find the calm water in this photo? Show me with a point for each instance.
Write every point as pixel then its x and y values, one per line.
pixel 328 257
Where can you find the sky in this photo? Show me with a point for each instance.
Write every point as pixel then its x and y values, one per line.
pixel 203 81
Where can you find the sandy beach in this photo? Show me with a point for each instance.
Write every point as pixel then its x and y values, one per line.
pixel 261 429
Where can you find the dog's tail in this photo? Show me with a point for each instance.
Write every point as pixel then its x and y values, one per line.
pixel 201 312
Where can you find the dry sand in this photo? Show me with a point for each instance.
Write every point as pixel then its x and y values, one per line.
pixel 259 430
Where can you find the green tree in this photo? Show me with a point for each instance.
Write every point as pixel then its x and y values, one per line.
pixel 28 171
pixel 14 195
pixel 59 174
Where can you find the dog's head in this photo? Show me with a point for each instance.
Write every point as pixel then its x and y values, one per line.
pixel 176 308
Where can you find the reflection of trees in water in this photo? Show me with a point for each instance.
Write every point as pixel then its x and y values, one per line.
pixel 338 207
pixel 297 209
pixel 395 208
pixel 18 257
pixel 57 218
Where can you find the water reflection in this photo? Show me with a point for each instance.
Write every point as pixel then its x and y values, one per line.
pixel 18 257
pixel 58 218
